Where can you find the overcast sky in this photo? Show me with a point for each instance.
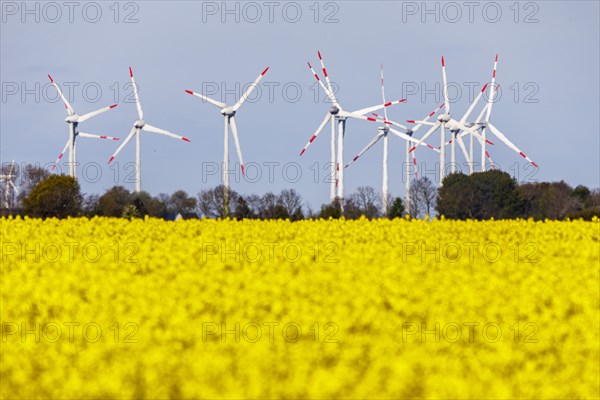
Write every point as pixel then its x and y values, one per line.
pixel 548 74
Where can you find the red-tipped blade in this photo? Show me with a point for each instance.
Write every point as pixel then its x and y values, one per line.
pixel 114 105
pixel 111 159
pixel 265 71
pixel 185 139
pixel 130 72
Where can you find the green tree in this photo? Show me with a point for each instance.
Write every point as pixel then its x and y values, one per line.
pixel 113 201
pixel 482 195
pixel 397 209
pixel 55 196
pixel 180 202
pixel 131 211
pixel 582 194
pixel 242 210
pixel 331 210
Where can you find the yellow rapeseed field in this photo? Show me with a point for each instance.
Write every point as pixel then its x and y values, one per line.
pixel 112 308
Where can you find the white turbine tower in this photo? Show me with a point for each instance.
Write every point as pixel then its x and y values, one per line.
pixel 138 126
pixel 74 120
pixel 10 190
pixel 384 130
pixel 446 121
pixel 228 113
pixel 337 113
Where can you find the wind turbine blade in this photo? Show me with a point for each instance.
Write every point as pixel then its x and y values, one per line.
pixel 327 78
pixel 487 154
pixel 132 133
pixel 368 110
pixel 445 88
pixel 313 137
pixel 469 130
pixel 411 139
pixel 347 114
pixel 90 135
pixel 89 115
pixel 208 99
pixel 492 91
pixel 383 94
pixel 429 132
pixel 327 92
pixel 420 123
pixel 62 96
pixel 14 187
pixel 236 140
pixel 62 153
pixel 463 148
pixel 389 121
pixel 138 105
pixel 473 104
pixel 367 147
pixel 249 90
pixel 153 129
pixel 507 142
pixel 425 120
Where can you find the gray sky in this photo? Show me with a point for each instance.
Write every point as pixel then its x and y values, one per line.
pixel 548 73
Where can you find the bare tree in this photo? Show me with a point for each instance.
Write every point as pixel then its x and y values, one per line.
pixel 291 201
pixel 254 203
pixel 269 203
pixel 31 175
pixel 180 202
pixel 367 200
pixel 423 194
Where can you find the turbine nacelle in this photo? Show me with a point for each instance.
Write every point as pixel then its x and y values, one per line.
pixel 71 119
pixel 228 111
pixel 384 129
pixel 334 110
pixel 139 124
pixel 444 118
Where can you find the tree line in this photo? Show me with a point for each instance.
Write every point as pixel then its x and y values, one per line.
pixel 484 195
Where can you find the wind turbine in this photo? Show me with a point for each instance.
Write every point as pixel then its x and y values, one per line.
pixel 138 126
pixel 383 133
pixel 486 124
pixel 74 120
pixel 446 121
pixel 228 113
pixel 457 134
pixel 337 113
pixel 10 189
